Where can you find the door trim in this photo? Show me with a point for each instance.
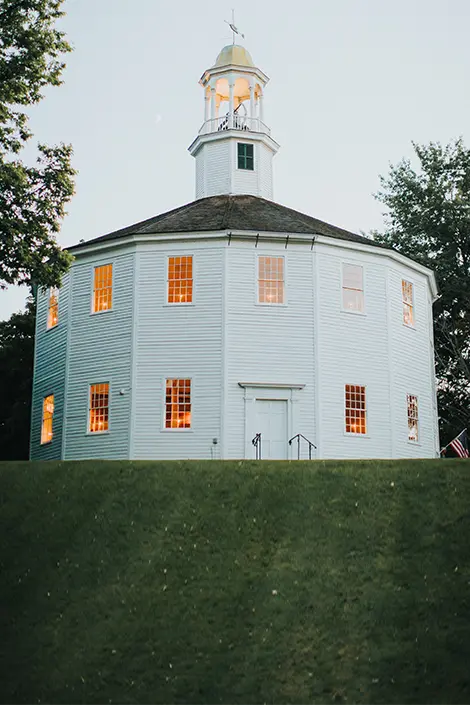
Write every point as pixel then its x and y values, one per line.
pixel 273 391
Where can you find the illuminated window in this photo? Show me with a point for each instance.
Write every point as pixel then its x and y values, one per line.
pixel 103 288
pixel 180 280
pixel 407 295
pixel 178 403
pixel 412 403
pixel 246 159
pixel 353 288
pixel 47 416
pixel 53 308
pixel 99 408
pixel 271 280
pixel 355 409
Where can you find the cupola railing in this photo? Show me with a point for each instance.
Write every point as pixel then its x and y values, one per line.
pixel 234 122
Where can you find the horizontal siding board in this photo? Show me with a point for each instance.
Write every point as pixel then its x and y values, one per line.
pixel 100 351
pixel 178 342
pixel 49 373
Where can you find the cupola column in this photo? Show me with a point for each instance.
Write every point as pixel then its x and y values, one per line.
pixel 231 91
pixel 207 99
pixel 252 99
pixel 261 107
pixel 212 106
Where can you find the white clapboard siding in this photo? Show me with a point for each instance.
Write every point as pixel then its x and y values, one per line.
pixel 49 372
pixel 270 344
pixel 178 341
pixel 410 362
pixel 213 169
pixel 265 172
pixel 100 347
pixel 372 350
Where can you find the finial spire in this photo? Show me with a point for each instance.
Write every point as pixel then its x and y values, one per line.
pixel 234 29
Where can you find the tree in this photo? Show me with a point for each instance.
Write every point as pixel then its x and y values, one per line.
pixel 428 220
pixel 16 374
pixel 32 199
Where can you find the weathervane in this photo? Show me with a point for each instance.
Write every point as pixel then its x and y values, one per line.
pixel 234 29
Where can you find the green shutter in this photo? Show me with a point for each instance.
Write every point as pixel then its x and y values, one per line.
pixel 246 158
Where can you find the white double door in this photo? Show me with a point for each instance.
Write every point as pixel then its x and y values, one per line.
pixel 271 422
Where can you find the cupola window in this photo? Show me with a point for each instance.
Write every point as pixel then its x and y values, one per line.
pixel 246 159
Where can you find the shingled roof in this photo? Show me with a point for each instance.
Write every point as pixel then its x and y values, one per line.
pixel 237 213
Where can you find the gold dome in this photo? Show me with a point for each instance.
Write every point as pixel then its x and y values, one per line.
pixel 233 54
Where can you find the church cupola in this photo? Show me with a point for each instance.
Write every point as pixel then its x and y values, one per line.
pixel 234 149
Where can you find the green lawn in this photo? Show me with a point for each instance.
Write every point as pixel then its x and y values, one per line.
pixel 235 582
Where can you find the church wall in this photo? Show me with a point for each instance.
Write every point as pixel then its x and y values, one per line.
pixel 411 363
pixel 215 168
pixel 372 350
pixel 178 341
pixel 49 372
pixel 200 172
pixel 271 344
pixel 100 350
pixel 265 173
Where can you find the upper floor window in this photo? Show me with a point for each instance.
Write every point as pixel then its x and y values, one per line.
pixel 103 288
pixel 47 417
pixel 271 280
pixel 178 403
pixel 407 295
pixel 98 412
pixel 180 280
pixel 53 308
pixel 246 158
pixel 353 288
pixel 355 408
pixel 412 404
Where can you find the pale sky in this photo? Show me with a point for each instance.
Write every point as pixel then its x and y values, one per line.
pixel 353 82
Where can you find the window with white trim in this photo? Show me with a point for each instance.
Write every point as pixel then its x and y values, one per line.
pixel 355 409
pixel 178 403
pixel 102 288
pixel 53 308
pixel 270 280
pixel 408 308
pixel 412 404
pixel 180 279
pixel 47 419
pixel 98 411
pixel 353 287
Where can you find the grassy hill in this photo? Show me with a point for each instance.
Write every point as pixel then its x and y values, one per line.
pixel 240 582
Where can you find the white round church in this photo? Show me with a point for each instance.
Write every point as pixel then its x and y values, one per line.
pixel 234 327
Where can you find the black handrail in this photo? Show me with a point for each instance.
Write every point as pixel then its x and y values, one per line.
pixel 257 444
pixel 310 445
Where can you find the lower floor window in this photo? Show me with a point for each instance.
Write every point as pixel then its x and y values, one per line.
pixel 412 403
pixel 99 408
pixel 355 408
pixel 47 417
pixel 178 403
